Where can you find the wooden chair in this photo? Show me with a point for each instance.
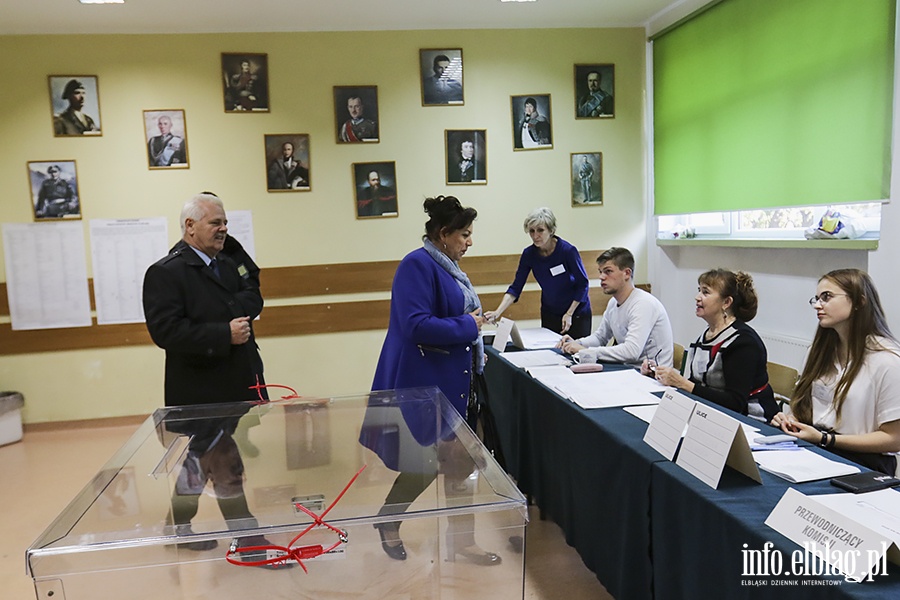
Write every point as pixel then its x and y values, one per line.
pixel 678 357
pixel 782 379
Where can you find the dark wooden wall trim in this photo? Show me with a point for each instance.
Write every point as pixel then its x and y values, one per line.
pixel 302 319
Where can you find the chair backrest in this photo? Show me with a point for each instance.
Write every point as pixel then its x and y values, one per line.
pixel 783 379
pixel 678 358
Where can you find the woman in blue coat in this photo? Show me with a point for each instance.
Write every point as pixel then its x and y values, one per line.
pixel 432 339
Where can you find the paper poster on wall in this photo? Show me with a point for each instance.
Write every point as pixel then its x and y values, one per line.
pixel 121 251
pixel 46 275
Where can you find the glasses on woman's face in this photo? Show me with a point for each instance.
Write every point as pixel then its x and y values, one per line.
pixel 823 298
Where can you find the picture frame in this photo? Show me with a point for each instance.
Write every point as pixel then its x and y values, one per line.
pixel 165 132
pixel 356 114
pixel 287 160
pixel 441 75
pixel 54 190
pixel 595 91
pixel 375 187
pixel 536 120
pixel 466 156
pixel 75 105
pixel 587 178
pixel 245 79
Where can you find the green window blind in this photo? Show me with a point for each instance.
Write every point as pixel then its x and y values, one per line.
pixel 771 103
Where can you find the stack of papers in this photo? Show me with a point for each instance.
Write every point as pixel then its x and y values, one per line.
pixel 801 465
pixel 605 390
pixel 538 337
pixel 536 358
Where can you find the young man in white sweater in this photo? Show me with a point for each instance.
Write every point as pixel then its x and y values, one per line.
pixel 634 320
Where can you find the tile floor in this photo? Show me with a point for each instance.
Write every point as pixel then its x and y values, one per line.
pixel 44 471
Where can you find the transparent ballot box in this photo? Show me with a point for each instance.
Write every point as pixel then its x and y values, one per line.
pixel 296 498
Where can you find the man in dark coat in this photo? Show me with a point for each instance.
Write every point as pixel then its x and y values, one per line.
pixel 200 309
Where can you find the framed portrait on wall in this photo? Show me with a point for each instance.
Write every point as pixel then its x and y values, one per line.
pixel 587 178
pixel 287 163
pixel 466 152
pixel 75 105
pixel 54 190
pixel 166 135
pixel 442 76
pixel 245 79
pixel 375 186
pixel 531 122
pixel 595 87
pixel 356 113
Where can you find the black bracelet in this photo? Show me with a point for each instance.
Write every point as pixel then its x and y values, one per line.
pixel 831 442
pixel 824 440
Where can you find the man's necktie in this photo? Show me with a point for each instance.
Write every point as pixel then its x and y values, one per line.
pixel 214 266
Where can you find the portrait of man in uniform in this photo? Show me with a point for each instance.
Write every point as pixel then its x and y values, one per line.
pixel 166 135
pixel 594 91
pixel 75 102
pixel 531 122
pixel 245 79
pixel 587 178
pixel 54 190
pixel 356 113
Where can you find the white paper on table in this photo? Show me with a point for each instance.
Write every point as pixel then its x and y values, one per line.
pixel 536 338
pixel 535 358
pixel 46 275
pixel 632 379
pixel 750 433
pixel 607 390
pixel 800 466
pixel 878 510
pixel 669 423
pixel 556 378
pixel 121 251
pixel 644 413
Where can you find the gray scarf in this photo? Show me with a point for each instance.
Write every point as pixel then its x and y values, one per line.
pixel 472 301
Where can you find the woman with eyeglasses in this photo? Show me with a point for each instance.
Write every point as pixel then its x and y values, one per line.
pixel 727 363
pixel 848 397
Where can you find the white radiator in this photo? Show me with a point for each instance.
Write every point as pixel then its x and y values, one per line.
pixel 784 349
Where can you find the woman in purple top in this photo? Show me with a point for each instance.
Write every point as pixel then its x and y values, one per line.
pixel 557 267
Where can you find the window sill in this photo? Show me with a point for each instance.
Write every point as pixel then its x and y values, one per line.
pixel 864 243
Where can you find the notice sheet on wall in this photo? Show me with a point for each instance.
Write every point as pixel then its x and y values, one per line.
pixel 46 275
pixel 240 227
pixel 121 251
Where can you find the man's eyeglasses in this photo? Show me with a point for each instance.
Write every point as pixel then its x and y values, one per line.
pixel 823 298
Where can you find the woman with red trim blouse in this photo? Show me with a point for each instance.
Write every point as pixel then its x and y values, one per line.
pixel 727 363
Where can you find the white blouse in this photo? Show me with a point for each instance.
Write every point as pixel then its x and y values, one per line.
pixel 873 398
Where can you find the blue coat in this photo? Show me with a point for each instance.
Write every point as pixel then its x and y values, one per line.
pixel 428 343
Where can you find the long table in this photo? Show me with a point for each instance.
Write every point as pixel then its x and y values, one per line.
pixel 643 525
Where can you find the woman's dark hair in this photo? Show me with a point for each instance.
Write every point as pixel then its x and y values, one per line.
pixel 739 286
pixel 447 215
pixel 867 320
